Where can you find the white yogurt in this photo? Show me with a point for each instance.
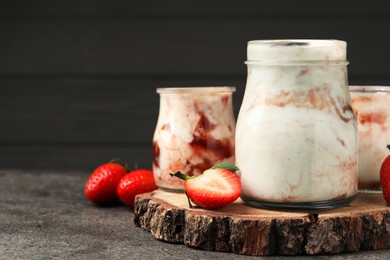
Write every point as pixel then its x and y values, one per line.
pixel 372 107
pixel 296 137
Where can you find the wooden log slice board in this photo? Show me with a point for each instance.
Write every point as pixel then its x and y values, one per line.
pixel 362 225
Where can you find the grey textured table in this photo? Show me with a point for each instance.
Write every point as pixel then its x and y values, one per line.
pixel 45 215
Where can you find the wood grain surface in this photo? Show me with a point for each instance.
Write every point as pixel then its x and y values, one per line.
pixel 242 229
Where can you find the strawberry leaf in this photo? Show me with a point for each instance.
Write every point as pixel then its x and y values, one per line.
pixel 120 162
pixel 227 166
pixel 180 175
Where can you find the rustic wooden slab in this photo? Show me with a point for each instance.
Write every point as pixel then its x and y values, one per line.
pixel 242 229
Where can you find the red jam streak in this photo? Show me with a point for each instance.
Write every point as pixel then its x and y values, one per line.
pixel 316 99
pixel 371 117
pixel 156 154
pixel 378 117
pixel 204 146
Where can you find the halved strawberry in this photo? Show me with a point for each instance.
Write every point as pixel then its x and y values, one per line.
pixel 215 188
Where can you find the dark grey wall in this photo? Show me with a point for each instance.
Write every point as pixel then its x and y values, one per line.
pixel 78 78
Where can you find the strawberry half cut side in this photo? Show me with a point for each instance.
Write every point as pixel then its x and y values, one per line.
pixel 215 188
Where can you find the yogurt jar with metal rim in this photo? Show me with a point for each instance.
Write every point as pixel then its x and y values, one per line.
pixel 296 135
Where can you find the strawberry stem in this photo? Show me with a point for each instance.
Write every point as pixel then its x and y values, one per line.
pixel 120 162
pixel 226 166
pixel 388 146
pixel 189 201
pixel 180 175
pixel 184 177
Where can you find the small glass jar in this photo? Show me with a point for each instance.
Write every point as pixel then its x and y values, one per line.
pixel 372 107
pixel 195 130
pixel 296 136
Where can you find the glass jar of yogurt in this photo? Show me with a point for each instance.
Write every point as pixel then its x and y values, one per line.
pixel 195 130
pixel 372 107
pixel 296 135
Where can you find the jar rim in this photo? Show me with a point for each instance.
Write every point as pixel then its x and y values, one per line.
pixel 370 89
pixel 297 42
pixel 203 90
pixel 297 50
pixel 298 63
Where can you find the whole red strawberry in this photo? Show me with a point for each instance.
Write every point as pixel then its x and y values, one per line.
pixel 101 185
pixel 215 188
pixel 134 183
pixel 385 177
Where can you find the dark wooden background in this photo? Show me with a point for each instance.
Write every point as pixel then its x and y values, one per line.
pixel 78 78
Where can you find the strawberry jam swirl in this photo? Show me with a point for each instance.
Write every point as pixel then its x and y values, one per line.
pixel 195 131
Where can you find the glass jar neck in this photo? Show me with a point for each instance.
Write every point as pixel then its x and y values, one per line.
pixel 196 90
